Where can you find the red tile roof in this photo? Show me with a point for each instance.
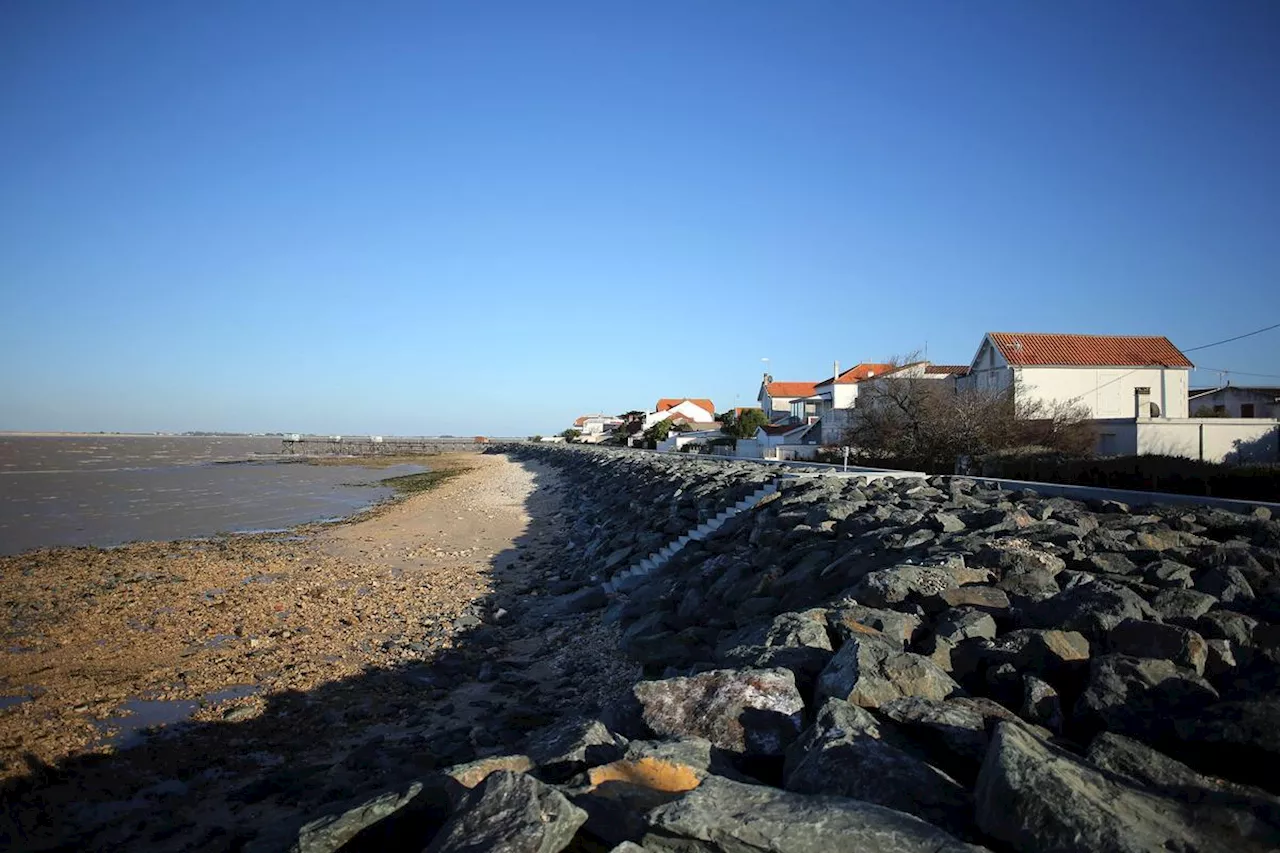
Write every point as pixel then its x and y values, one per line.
pixel 892 370
pixel 790 389
pixel 950 369
pixel 857 373
pixel 671 402
pixel 782 429
pixel 1088 350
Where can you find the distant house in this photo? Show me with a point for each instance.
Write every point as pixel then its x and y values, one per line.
pixel 1235 401
pixel 776 398
pixel 1111 376
pixel 694 410
pixel 837 395
pixel 780 441
pixel 595 428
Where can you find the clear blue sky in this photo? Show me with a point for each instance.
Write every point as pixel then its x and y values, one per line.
pixel 461 217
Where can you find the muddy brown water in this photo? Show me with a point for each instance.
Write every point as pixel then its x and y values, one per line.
pixel 106 490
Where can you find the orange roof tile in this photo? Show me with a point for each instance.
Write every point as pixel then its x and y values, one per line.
pixel 790 389
pixel 857 374
pixel 671 402
pixel 1020 348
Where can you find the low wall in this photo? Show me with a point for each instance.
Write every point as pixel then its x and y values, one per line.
pixel 1209 439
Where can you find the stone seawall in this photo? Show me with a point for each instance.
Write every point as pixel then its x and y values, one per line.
pixel 907 665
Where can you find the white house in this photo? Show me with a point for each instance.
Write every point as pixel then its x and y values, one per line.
pixel 776 397
pixel 837 395
pixel 696 410
pixel 1112 376
pixel 779 441
pixel 596 428
pixel 1235 401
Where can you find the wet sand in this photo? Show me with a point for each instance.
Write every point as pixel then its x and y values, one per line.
pixel 285 650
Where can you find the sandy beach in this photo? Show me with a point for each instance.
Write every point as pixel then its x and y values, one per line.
pixel 419 622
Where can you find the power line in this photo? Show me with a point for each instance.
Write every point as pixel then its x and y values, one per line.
pixel 1240 372
pixel 1236 338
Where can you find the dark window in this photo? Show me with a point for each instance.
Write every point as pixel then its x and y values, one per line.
pixel 1246 410
pixel 1219 410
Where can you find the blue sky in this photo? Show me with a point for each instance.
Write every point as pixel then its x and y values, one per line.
pixel 461 217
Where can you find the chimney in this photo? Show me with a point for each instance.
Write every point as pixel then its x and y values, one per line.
pixel 835 368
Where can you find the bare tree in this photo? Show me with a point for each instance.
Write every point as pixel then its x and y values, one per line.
pixel 904 418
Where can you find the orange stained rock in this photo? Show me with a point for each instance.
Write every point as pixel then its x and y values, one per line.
pixel 472 774
pixel 648 772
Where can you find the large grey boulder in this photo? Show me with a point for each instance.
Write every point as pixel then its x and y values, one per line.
pixel 1227 625
pixel 748 712
pixel 720 816
pixel 909 582
pixel 569 746
pixel 511 813
pixel 1182 604
pixel 953 733
pixel 794 641
pixel 1139 696
pixel 1239 740
pixel 848 753
pixel 870 670
pixel 1038 650
pixel 853 619
pixel 1092 609
pixel 1239 809
pixel 1227 584
pixel 331 832
pixel 786 630
pixel 1154 640
pixel 1037 798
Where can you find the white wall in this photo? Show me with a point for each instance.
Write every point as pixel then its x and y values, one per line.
pixel 1107 392
pixel 775 407
pixel 1210 439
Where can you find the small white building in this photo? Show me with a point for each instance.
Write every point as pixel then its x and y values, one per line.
pixel 1111 376
pixel 779 441
pixel 1234 401
pixel 678 440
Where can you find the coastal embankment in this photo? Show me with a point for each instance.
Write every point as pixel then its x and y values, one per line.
pixel 718 656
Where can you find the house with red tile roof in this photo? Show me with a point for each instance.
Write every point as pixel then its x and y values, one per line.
pixel 776 398
pixel 1111 376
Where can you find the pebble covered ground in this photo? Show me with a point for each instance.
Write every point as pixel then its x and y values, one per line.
pixel 418 623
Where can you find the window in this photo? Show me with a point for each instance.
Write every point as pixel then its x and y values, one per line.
pixel 1220 411
pixel 1246 410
